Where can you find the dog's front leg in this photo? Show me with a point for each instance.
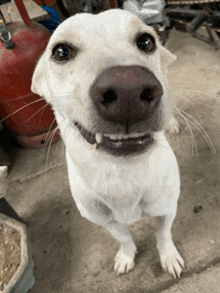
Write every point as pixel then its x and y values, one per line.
pixel 124 259
pixel 170 259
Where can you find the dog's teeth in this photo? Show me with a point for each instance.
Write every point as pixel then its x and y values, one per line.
pixel 123 136
pixel 98 137
pixel 113 136
pixel 137 135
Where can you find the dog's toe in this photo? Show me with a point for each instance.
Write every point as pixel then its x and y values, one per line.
pixel 172 262
pixel 124 262
pixel 122 266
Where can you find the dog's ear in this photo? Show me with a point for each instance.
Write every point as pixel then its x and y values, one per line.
pixel 39 79
pixel 166 57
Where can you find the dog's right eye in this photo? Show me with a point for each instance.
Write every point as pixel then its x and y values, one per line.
pixel 63 53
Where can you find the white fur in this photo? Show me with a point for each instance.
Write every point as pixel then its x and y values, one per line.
pixel 112 191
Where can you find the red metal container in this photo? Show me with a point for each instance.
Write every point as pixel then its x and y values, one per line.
pixel 45 2
pixel 25 113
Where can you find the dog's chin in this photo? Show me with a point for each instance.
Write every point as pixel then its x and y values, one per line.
pixel 118 144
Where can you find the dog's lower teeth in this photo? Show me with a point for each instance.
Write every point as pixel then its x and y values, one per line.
pixel 124 136
pixel 114 137
pixel 98 137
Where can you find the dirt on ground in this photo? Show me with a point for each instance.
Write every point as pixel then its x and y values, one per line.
pixel 10 253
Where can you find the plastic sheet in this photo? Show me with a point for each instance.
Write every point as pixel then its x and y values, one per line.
pixel 149 11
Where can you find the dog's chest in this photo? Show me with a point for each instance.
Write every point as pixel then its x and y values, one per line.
pixel 112 191
pixel 123 189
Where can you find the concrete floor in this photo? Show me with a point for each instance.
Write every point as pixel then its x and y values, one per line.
pixel 74 255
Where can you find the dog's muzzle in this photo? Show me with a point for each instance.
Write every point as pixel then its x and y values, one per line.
pixel 125 96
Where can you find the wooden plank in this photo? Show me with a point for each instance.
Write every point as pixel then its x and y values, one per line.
pixel 4 11
pixel 34 11
pixel 37 13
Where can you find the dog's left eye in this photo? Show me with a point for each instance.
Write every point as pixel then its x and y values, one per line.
pixel 63 53
pixel 146 43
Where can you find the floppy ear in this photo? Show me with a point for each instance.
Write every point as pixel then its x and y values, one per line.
pixel 39 79
pixel 166 57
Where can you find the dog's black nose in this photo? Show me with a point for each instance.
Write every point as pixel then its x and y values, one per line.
pixel 126 94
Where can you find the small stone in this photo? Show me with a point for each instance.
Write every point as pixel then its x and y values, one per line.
pixel 197 209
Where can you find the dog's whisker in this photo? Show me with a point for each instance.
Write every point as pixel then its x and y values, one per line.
pixel 61 146
pixel 20 109
pixel 52 136
pixel 182 130
pixel 49 130
pixel 38 111
pixel 47 138
pixel 199 127
pixel 206 137
pixel 215 97
pixel 194 107
pixel 178 112
pixel 49 143
pixel 50 140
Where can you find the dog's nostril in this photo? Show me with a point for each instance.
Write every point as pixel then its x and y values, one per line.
pixel 108 97
pixel 147 95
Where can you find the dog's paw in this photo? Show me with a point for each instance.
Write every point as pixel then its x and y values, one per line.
pixel 172 126
pixel 171 261
pixel 124 262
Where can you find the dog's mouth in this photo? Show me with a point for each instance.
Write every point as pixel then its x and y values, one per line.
pixel 118 144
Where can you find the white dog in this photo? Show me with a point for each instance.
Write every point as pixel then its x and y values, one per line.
pixel 104 77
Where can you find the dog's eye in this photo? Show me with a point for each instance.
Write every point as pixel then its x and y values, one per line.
pixel 63 53
pixel 146 43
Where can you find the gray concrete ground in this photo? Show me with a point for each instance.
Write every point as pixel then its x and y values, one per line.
pixel 74 255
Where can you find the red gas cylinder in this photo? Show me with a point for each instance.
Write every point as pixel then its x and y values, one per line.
pixel 25 113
